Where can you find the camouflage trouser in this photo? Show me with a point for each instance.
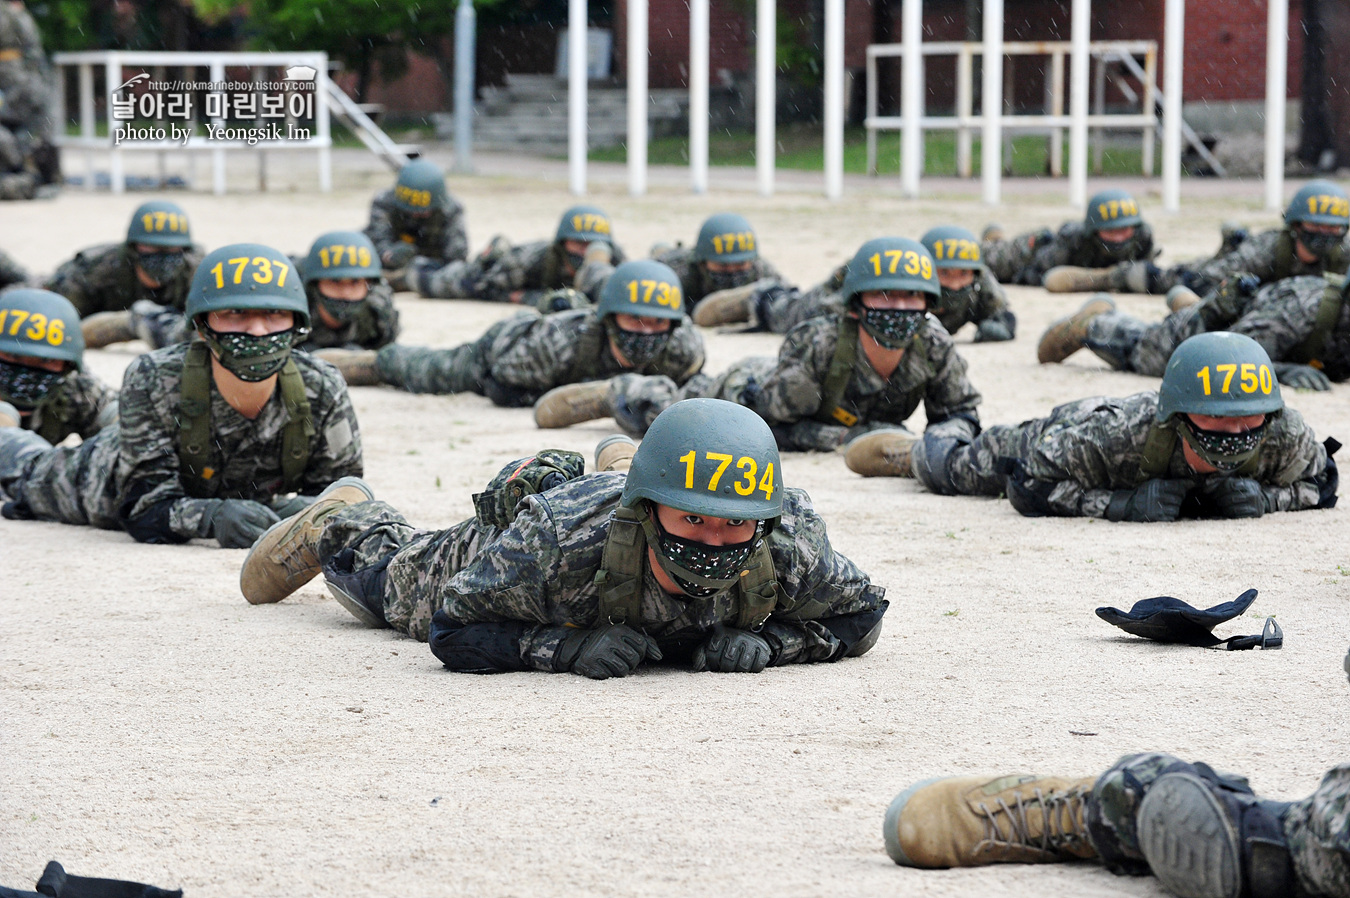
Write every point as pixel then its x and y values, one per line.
pixel 419 369
pixel 779 309
pixel 372 549
pixel 974 468
pixel 1316 829
pixel 639 398
pixel 55 483
pixel 1128 344
pixel 1006 259
pixel 454 280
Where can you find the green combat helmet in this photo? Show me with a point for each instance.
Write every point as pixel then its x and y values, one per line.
pixel 891 263
pixel 952 246
pixel 648 289
pixel 159 223
pixel 1319 203
pixel 1223 375
pixel 248 276
pixel 585 223
pixel 37 324
pixel 726 237
pixel 338 255
pixel 420 189
pixel 1112 209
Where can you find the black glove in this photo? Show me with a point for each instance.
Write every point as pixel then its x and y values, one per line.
pixel 1302 377
pixel 237 523
pixel 1234 497
pixel 1156 500
pixel 293 505
pixel 992 331
pixel 614 650
pixel 729 650
pixel 399 255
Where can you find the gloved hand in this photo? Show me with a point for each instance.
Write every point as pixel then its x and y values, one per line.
pixel 992 331
pixel 398 255
pixel 729 650
pixel 1155 500
pixel 1302 377
pixel 293 505
pixel 1234 497
pixel 1346 664
pixel 614 650
pixel 237 523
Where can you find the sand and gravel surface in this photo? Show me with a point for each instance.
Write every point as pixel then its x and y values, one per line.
pixel 153 726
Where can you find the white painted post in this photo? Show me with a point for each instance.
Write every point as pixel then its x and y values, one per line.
pixel 112 71
pixel 698 95
pixel 637 97
pixel 766 92
pixel 834 99
pixel 576 95
pixel 911 89
pixel 991 149
pixel 1078 102
pixel 323 123
pixel 87 117
pixel 1174 40
pixel 218 155
pixel 1277 52
pixel 965 101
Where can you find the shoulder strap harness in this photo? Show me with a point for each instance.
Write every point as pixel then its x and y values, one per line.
pixel 1158 448
pixel 832 409
pixel 590 339
pixel 1309 352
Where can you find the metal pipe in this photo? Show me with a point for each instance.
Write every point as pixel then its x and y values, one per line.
pixel 834 99
pixel 698 95
pixel 576 95
pixel 766 92
pixel 637 97
pixel 1174 40
pixel 1277 53
pixel 466 32
pixel 991 149
pixel 911 89
pixel 1078 102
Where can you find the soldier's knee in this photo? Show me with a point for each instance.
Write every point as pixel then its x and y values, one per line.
pixel 930 459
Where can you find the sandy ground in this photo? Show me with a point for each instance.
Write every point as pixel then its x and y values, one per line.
pixel 153 726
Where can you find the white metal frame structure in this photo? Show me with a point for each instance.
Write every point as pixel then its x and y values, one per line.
pixel 115 62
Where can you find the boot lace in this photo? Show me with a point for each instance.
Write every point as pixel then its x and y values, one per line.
pixel 1054 836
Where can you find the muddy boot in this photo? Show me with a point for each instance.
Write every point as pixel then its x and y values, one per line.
pixel 1133 277
pixel 1070 279
pixel 357 366
pixel 971 821
pixel 1065 337
pixel 729 306
pixel 615 453
pixel 992 232
pixel 285 558
pixel 882 453
pixel 105 328
pixel 1181 297
pixel 573 403
pixel 10 417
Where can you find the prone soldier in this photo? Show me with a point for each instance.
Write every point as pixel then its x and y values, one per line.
pixel 351 306
pixel 834 378
pixel 602 573
pixel 417 218
pixel 1216 440
pixel 218 437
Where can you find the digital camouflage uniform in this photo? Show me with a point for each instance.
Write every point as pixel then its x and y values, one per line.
pixel 1270 256
pixel 779 308
pixel 11 272
pixel 129 475
pixel 787 391
pixel 535 268
pixel 80 404
pixel 440 236
pixel 694 281
pixel 1316 829
pixel 537 576
pixel 1280 317
pixel 27 158
pixel 987 302
pixel 1083 451
pixel 520 358
pixel 1026 258
pixel 103 279
pixel 375 325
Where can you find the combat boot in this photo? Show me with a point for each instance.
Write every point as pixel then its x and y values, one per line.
pixel 10 417
pixel 357 366
pixel 882 453
pixel 970 821
pixel 1181 297
pixel 615 453
pixel 729 306
pixel 573 403
pixel 286 557
pixel 105 328
pixel 1071 279
pixel 1065 337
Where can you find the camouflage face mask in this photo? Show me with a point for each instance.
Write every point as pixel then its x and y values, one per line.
pixel 701 570
pixel 251 357
pixel 26 387
pixel 573 261
pixel 343 310
pixel 958 301
pixel 1320 245
pixel 892 328
pixel 1225 451
pixel 160 267
pixel 1119 251
pixel 638 348
pixel 725 280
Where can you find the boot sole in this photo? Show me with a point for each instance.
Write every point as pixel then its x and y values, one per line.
pixel 356 608
pixel 890 827
pixel 1188 840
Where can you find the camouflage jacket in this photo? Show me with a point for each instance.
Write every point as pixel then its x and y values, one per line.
pixel 375 325
pixel 988 301
pixel 537 353
pixel 81 404
pixel 695 283
pixel 1284 314
pixel 103 279
pixel 441 236
pixel 11 272
pixel 541 571
pixel 1085 450
pixel 930 372
pixel 1261 255
pixel 536 266
pixel 1027 257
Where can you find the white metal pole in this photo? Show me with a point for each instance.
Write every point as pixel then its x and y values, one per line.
pixel 1174 40
pixel 1080 34
pixel 834 99
pixel 466 49
pixel 324 123
pixel 576 95
pixel 217 70
pixel 766 92
pixel 1277 52
pixel 698 95
pixel 911 89
pixel 112 74
pixel 637 97
pixel 991 150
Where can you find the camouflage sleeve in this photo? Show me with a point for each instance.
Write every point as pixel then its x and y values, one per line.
pixel 681 261
pixel 993 303
pixel 520 267
pixel 456 235
pixel 1256 255
pixel 534 352
pixel 335 450
pixel 1062 249
pixel 1293 468
pixel 380 228
pixel 380 327
pixel 1282 315
pixel 793 390
pixel 94 407
pixel 69 280
pixel 950 402
pixel 1079 454
pixel 1144 235
pixel 683 355
pixel 826 598
pixel 11 272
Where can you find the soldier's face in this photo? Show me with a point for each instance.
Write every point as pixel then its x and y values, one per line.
pixel 258 322
pixel 730 267
pixel 955 278
pixel 1116 235
pixel 55 366
pixel 641 324
pixel 1228 424
pixel 904 300
pixel 702 529
pixel 349 289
